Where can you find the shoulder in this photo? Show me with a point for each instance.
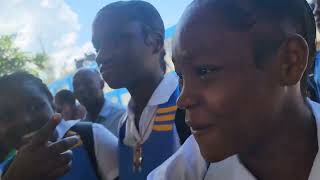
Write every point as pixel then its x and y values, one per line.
pixel 102 135
pixel 105 144
pixel 187 163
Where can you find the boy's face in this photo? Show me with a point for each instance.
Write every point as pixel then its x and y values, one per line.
pixel 88 88
pixel 122 52
pixel 22 112
pixel 229 101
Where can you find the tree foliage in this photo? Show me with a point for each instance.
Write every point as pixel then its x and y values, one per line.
pixel 13 59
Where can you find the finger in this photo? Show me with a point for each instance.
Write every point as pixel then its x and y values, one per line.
pixel 60 171
pixel 63 145
pixel 51 163
pixel 64 159
pixel 43 135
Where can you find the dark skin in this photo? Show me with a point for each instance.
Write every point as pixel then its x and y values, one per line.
pixel 128 57
pixel 235 108
pixel 316 12
pixel 21 121
pixel 88 89
pixel 67 111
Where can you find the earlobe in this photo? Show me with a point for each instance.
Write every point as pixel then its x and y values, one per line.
pixel 293 60
pixel 154 40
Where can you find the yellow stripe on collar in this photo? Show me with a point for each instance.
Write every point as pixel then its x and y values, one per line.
pixel 167 109
pixel 162 118
pixel 167 127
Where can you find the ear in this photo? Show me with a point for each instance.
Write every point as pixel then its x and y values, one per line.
pixel 154 40
pixel 101 84
pixel 293 59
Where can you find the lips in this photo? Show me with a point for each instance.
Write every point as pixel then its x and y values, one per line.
pixel 200 129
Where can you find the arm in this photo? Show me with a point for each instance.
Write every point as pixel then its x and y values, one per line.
pixel 106 150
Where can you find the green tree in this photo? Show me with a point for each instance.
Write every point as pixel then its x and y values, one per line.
pixel 14 59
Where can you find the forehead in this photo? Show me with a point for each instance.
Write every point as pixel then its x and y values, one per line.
pixel 25 94
pixel 85 76
pixel 109 24
pixel 204 33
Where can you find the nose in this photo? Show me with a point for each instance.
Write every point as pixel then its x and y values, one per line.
pixel 187 97
pixel 103 56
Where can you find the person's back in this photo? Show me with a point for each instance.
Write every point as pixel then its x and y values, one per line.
pixel 94 158
pixel 88 89
pixel 129 39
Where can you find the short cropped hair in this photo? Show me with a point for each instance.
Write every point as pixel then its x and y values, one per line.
pixel 15 80
pixel 284 15
pixel 65 97
pixel 139 11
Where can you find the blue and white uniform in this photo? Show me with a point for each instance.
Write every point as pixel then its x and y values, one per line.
pixel 157 131
pixel 105 146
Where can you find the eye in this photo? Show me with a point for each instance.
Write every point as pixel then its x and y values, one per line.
pixel 204 72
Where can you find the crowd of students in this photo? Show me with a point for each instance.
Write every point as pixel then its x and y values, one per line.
pixel 240 106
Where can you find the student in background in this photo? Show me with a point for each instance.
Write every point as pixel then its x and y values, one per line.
pixel 31 108
pixel 88 89
pixel 65 104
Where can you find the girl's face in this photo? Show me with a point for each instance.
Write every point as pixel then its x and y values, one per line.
pixel 22 112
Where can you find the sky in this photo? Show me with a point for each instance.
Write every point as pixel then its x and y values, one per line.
pixel 62 28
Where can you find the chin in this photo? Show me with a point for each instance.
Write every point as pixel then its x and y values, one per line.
pixel 114 83
pixel 213 157
pixel 214 153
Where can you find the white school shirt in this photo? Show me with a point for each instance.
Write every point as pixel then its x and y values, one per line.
pixel 188 164
pixel 161 95
pixel 105 146
pixel 109 116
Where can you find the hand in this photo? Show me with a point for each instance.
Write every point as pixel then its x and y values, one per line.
pixel 39 159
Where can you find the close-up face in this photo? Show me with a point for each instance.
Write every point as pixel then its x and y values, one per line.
pixel 88 88
pixel 22 112
pixel 121 50
pixel 228 100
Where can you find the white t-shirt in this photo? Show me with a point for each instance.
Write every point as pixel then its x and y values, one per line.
pixel 105 145
pixel 188 164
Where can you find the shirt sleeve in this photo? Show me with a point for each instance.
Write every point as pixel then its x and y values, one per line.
pixel 187 163
pixel 106 150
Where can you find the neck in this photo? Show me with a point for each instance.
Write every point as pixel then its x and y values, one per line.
pixel 94 109
pixel 292 148
pixel 142 91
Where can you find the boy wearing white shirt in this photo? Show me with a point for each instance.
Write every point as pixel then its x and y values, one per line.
pixel 246 105
pixel 129 39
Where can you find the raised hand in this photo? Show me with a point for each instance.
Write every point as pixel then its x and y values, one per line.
pixel 40 159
